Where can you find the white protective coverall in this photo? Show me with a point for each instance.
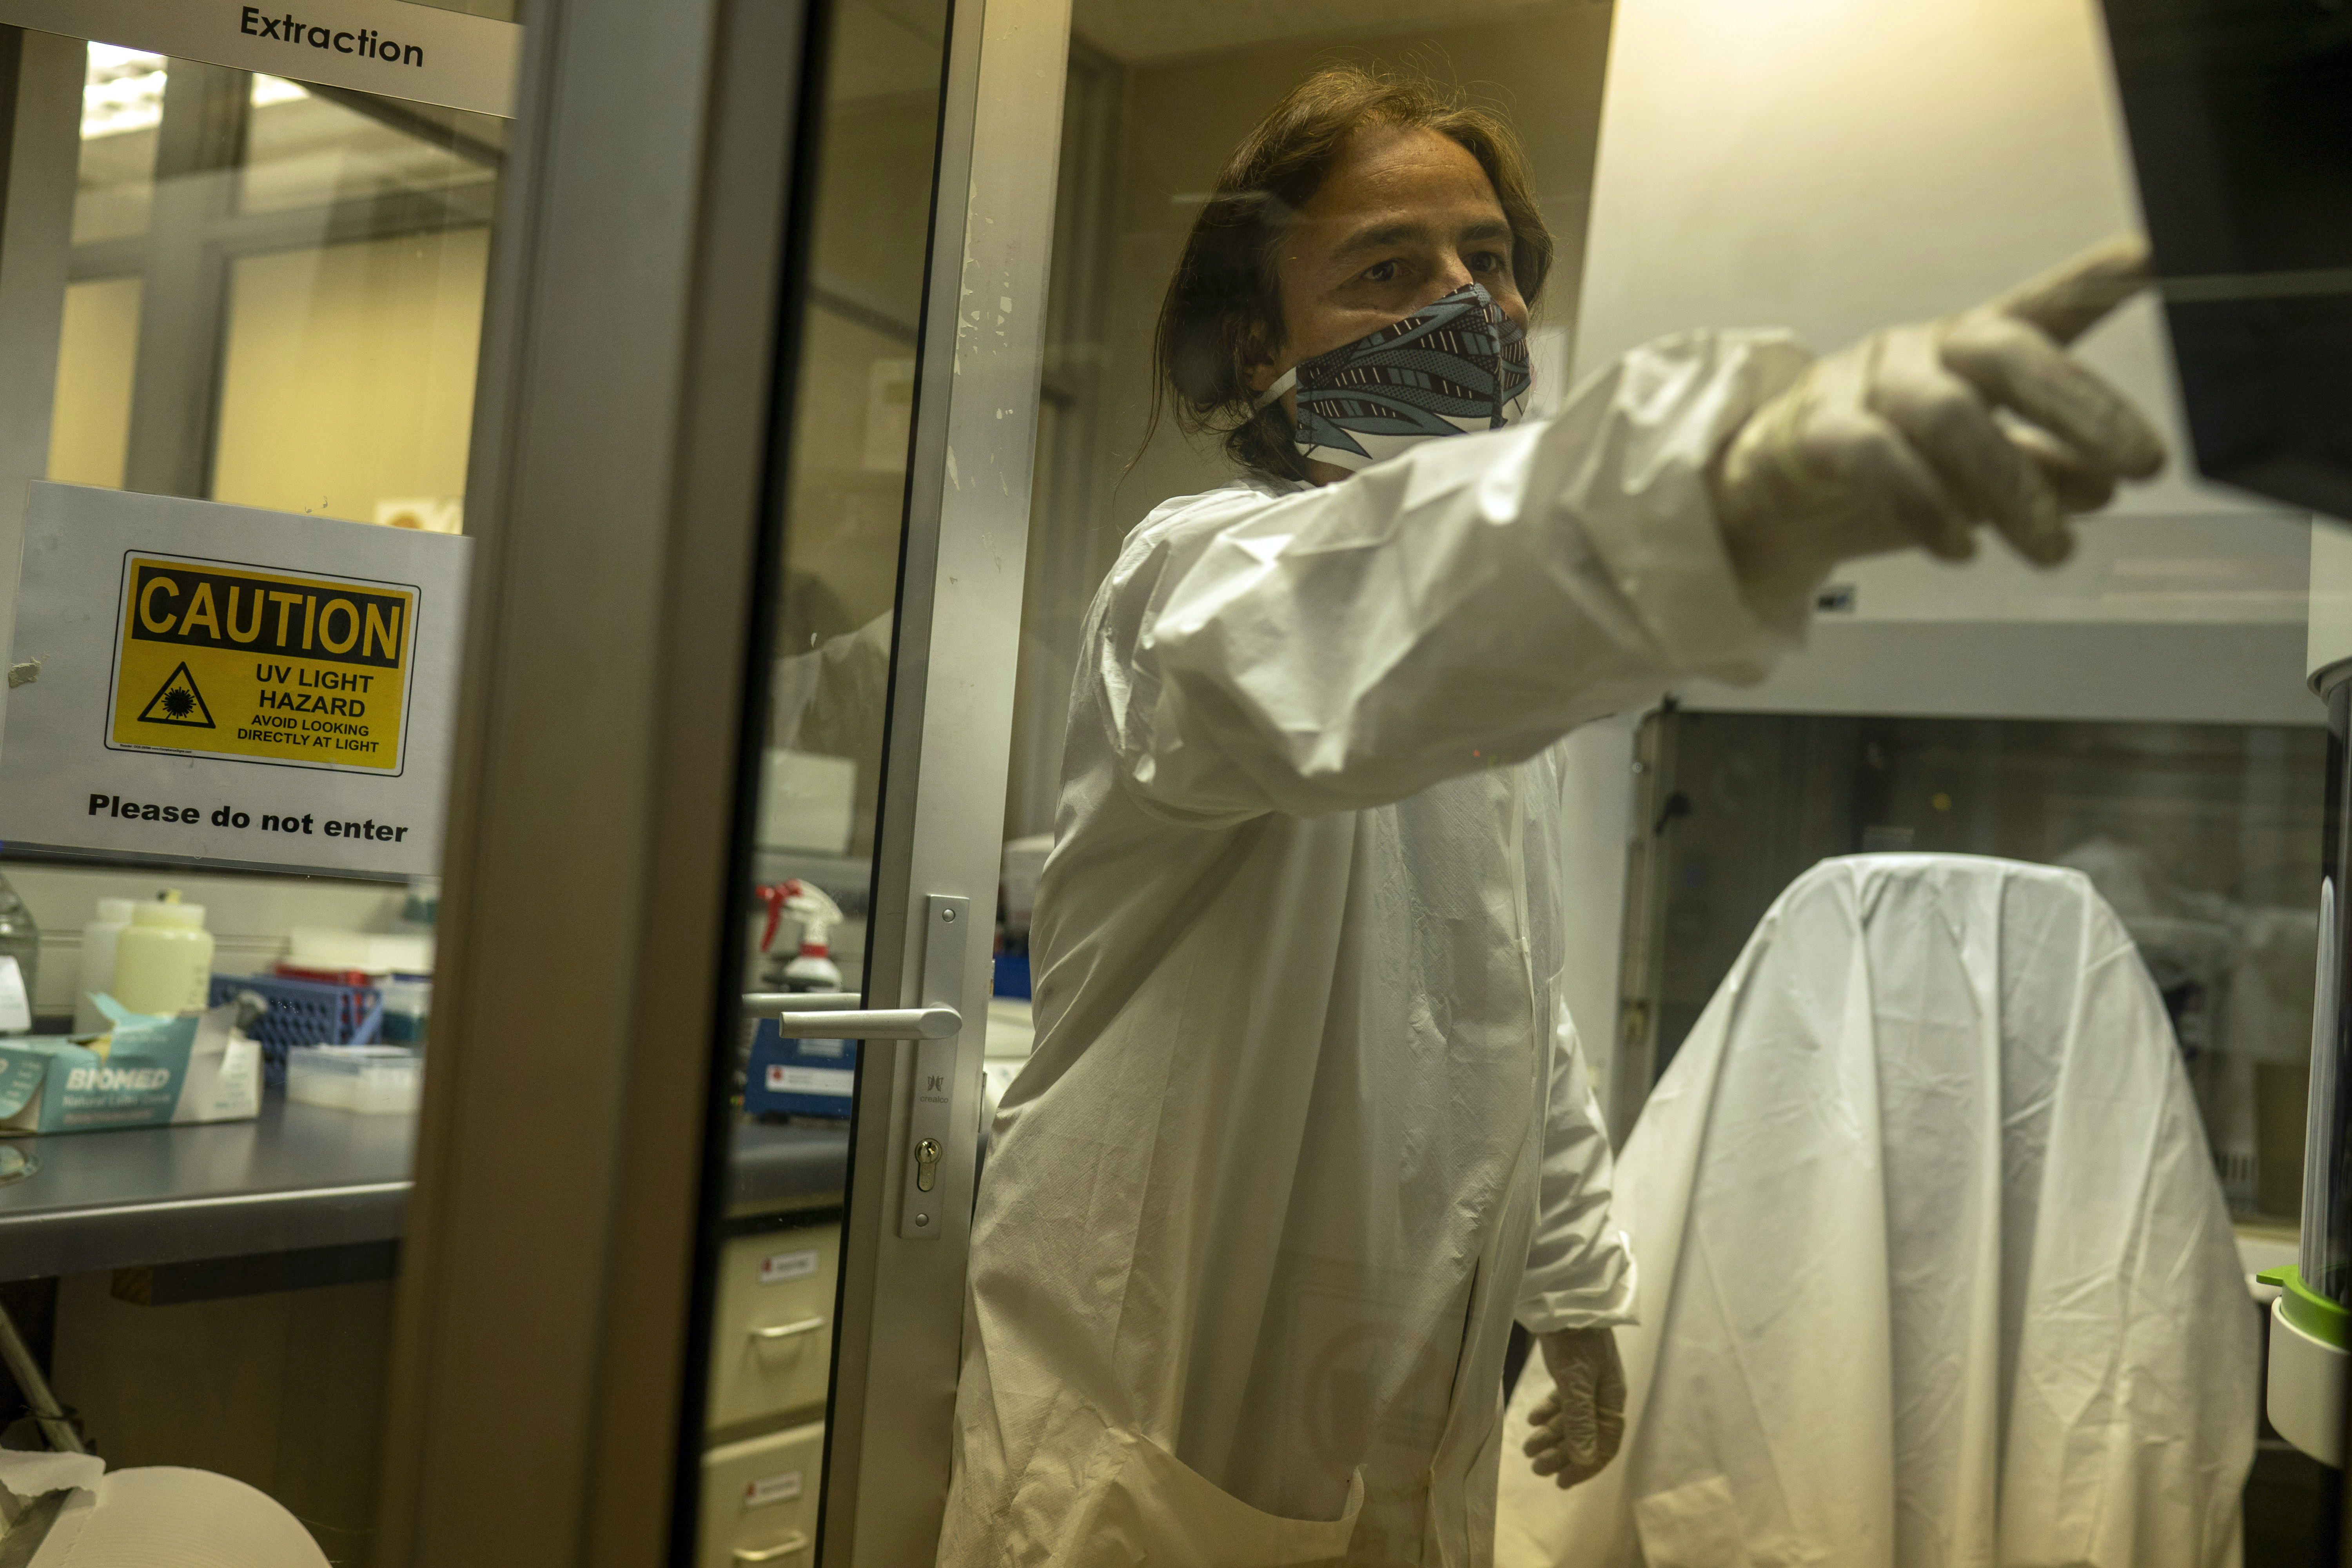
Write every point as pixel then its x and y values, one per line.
pixel 1934 1265
pixel 1307 1125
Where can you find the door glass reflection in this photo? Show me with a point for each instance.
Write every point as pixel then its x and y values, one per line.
pixel 775 1246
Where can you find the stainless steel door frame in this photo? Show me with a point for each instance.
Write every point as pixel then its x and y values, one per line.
pixel 622 443
pixel 945 771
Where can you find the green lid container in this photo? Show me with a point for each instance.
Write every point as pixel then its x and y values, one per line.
pixel 2305 1308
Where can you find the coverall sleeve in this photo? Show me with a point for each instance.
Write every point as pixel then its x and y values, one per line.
pixel 1463 605
pixel 1580 1271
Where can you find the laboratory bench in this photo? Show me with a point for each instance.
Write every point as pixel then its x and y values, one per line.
pixel 240 1224
pixel 299 1181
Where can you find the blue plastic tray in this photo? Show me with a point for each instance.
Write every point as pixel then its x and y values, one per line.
pixel 304 1013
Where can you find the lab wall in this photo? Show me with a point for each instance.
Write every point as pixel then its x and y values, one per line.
pixel 98 348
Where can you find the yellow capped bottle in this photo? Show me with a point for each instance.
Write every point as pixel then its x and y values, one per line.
pixel 164 959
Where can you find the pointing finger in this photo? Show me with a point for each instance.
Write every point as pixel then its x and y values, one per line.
pixel 2070 298
pixel 2015 365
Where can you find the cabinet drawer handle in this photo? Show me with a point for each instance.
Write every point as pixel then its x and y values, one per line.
pixel 789 1331
pixel 791 1543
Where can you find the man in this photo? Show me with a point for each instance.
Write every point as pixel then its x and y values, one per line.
pixel 1307 1125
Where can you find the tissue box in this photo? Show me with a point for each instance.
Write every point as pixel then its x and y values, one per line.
pixel 147 1072
pixel 799 1077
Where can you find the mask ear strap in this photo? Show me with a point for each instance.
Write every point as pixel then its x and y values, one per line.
pixel 1282 384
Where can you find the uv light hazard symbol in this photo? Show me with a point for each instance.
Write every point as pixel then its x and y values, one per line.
pixel 177 702
pixel 258 665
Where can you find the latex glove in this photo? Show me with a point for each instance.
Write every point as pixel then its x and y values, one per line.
pixel 1582 1419
pixel 1914 436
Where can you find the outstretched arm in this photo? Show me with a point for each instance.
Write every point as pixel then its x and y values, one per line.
pixel 1469 602
pixel 1462 605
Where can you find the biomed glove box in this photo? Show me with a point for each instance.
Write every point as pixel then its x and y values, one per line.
pixel 145 1072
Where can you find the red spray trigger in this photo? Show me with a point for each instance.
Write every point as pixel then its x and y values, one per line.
pixel 774 897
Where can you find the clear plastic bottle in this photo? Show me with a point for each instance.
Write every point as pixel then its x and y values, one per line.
pixel 20 939
pixel 97 975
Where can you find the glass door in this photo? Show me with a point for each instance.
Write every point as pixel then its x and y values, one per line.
pixel 684 1280
pixel 848 1099
pixel 242 303
pixel 701 367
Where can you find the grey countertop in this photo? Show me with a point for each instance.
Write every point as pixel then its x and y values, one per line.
pixel 300 1176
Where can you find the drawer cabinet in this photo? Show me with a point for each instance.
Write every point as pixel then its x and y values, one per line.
pixel 759 1500
pixel 771 1345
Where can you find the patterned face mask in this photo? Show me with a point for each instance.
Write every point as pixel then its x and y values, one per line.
pixel 1456 365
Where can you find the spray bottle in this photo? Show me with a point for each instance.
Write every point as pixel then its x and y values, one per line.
pixel 811 969
pixel 801 1076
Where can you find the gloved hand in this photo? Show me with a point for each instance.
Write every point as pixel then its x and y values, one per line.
pixel 1917 434
pixel 1582 1419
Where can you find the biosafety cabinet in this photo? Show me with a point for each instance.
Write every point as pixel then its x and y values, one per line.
pixel 2141 715
pixel 728 410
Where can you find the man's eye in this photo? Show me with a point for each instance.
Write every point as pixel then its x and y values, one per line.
pixel 1384 272
pixel 1489 261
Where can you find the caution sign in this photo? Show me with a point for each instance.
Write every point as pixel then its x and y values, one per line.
pixel 223 659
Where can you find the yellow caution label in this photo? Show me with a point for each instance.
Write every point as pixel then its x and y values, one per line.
pixel 228 660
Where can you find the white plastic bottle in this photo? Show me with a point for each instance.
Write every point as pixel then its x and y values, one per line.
pixel 164 959
pixel 812 969
pixel 20 962
pixel 97 961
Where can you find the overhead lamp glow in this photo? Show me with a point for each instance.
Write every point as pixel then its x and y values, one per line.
pixel 269 89
pixel 122 91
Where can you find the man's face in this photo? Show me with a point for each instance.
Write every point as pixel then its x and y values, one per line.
pixel 1405 216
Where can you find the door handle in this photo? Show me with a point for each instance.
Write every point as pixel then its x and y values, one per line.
pixel 795 1541
pixel 789 1331
pixel 934 1027
pixel 820 1015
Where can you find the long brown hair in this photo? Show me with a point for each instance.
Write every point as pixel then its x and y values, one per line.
pixel 1225 295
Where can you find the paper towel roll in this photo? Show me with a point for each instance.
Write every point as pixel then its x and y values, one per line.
pixel 167 1517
